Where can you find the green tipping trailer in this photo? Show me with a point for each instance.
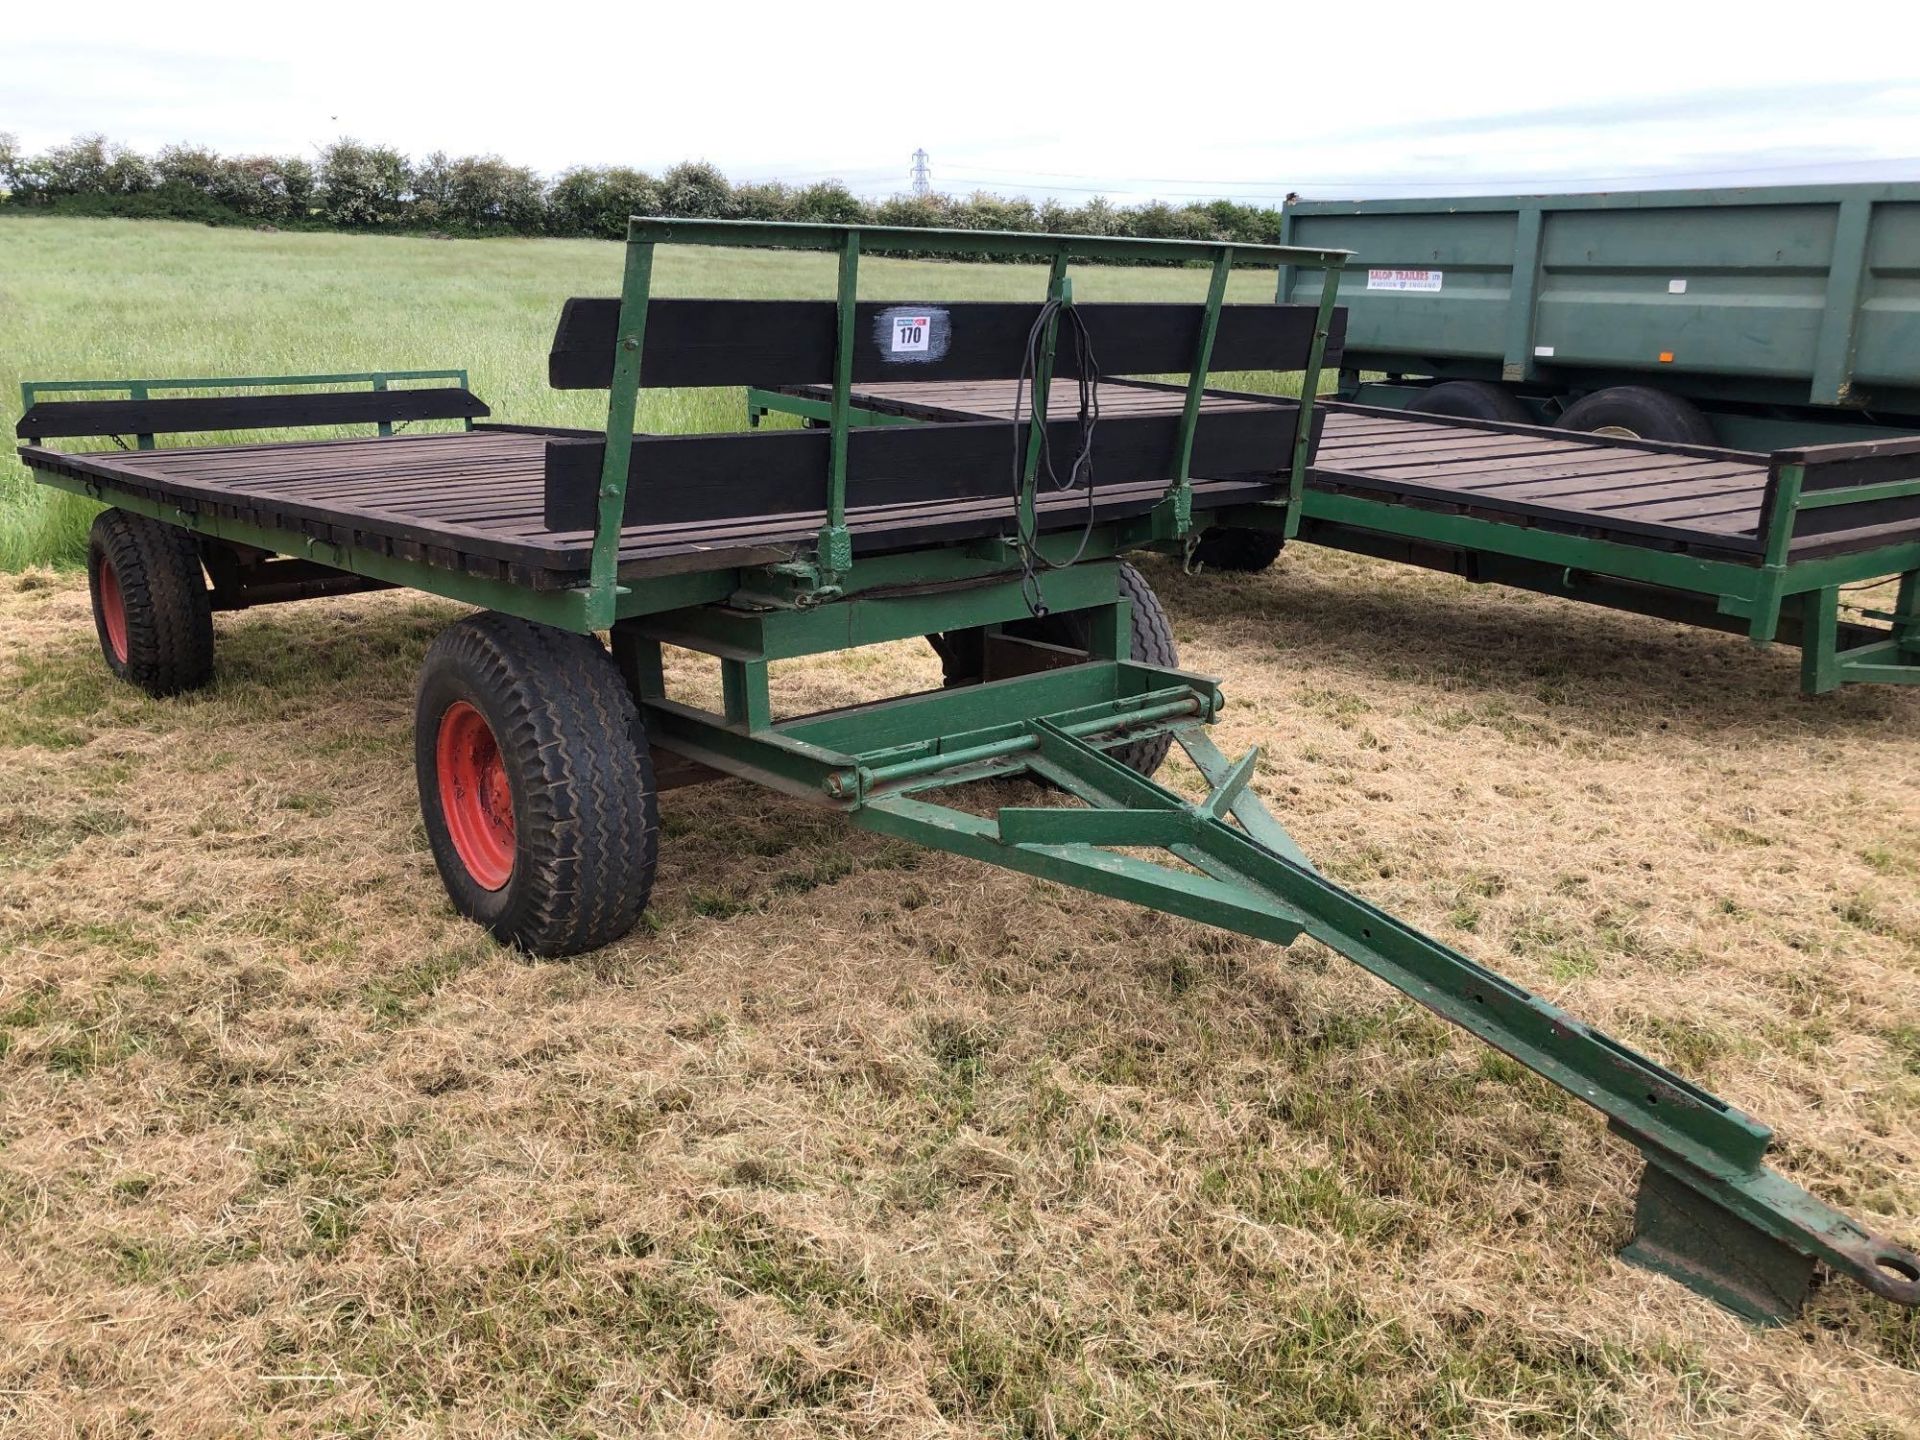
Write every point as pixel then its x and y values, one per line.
pixel 1757 318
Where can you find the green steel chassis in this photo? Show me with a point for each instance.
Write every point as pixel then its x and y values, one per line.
pixel 1798 601
pixel 1710 1213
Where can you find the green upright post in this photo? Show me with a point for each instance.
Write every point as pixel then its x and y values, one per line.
pixel 639 661
pixel 1059 288
pixel 1764 623
pixel 836 544
pixel 745 696
pixel 1180 491
pixel 623 399
pixel 1520 363
pixel 137 391
pixel 1820 640
pixel 1309 395
pixel 1840 314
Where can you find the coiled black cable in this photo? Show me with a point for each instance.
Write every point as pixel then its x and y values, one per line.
pixel 1080 473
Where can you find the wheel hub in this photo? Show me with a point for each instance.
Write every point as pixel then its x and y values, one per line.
pixel 475 799
pixel 113 611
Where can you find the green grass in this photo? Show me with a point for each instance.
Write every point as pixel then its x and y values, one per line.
pixel 107 299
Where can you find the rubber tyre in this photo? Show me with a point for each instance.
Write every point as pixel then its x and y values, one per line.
pixel 1222 547
pixel 1642 412
pixel 151 608
pixel 962 655
pixel 585 826
pixel 1472 400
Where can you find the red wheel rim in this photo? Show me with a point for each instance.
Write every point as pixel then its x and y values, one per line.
pixel 113 611
pixel 475 799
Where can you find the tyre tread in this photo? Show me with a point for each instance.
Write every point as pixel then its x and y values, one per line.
pixel 163 591
pixel 1658 414
pixel 587 829
pixel 1472 400
pixel 1153 644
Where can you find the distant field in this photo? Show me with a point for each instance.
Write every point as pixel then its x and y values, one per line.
pixel 122 299
pixel 856 1140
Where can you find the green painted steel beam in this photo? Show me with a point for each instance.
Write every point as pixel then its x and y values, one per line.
pixel 1180 492
pixel 1859 494
pixel 1847 272
pixel 1740 582
pixel 930 739
pixel 986 566
pixel 760 402
pixel 1025 519
pixel 1298 471
pixel 140 389
pixel 835 545
pixel 1230 797
pixel 894 732
pixel 1118 877
pixel 1881 564
pixel 907 240
pixel 1607 557
pixel 765 757
pixel 623 400
pixel 862 619
pixel 949 568
pixel 1130 718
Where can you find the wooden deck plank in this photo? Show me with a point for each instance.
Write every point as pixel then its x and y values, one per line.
pixel 1587 488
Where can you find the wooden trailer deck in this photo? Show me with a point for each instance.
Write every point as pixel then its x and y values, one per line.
pixel 477 501
pixel 1685 497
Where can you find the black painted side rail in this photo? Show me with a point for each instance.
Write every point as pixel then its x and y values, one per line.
pixel 788 342
pixel 682 478
pixel 197 414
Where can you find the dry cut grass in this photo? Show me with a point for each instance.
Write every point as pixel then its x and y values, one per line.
pixel 854 1139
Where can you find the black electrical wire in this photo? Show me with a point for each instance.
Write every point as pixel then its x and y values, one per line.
pixel 1079 473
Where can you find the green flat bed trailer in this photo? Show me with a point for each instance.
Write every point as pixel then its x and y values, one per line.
pixel 1761 318
pixel 1760 545
pixel 540 750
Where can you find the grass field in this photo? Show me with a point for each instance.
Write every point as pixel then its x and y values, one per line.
pixel 854 1139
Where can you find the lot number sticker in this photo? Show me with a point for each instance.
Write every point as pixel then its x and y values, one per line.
pixel 911 333
pixel 1404 279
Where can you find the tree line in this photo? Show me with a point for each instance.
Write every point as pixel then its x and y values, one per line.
pixel 354 186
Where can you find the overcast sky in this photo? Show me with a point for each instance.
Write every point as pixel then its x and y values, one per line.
pixel 1175 101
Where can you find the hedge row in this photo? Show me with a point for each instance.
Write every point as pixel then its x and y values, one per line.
pixel 371 187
